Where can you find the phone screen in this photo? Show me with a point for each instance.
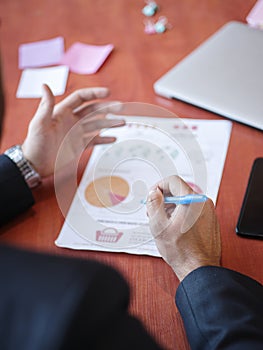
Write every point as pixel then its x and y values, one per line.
pixel 250 222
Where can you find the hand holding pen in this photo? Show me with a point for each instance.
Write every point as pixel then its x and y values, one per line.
pixel 184 226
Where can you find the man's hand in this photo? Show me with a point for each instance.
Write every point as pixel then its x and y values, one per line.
pixel 51 123
pixel 187 236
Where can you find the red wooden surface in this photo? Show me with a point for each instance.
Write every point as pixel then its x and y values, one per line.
pixel 136 62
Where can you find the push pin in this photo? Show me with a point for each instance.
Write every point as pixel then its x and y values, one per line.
pixel 161 25
pixel 150 9
pixel 149 27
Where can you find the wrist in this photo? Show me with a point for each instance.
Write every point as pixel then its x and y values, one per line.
pixel 186 270
pixel 30 175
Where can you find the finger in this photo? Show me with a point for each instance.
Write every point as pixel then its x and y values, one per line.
pixel 158 219
pixel 46 105
pixel 186 215
pixel 78 97
pixel 105 107
pixel 174 185
pixel 98 140
pixel 101 123
pixel 169 209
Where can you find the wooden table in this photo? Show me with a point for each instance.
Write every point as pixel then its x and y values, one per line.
pixel 136 62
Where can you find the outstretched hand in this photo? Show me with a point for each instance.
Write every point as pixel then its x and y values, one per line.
pixel 187 236
pixel 51 123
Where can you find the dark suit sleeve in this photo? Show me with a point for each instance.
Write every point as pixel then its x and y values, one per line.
pixel 58 303
pixel 15 195
pixel 221 309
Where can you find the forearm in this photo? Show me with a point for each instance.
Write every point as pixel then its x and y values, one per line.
pixel 221 309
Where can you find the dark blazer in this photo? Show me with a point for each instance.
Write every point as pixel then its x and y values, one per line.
pixel 221 309
pixel 15 195
pixel 51 303
pixel 57 303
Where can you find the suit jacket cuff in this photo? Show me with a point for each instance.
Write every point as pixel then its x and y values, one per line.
pixel 16 196
pixel 221 309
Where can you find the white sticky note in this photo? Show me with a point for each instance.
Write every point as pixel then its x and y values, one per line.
pixel 41 53
pixel 31 81
pixel 255 16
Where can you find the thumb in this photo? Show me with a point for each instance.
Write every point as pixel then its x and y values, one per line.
pixel 46 105
pixel 156 212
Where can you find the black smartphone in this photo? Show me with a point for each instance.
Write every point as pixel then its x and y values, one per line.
pixel 250 221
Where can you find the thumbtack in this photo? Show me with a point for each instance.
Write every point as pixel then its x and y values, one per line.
pixel 150 9
pixel 149 27
pixel 161 25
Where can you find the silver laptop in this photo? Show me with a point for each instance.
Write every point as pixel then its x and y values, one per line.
pixel 223 75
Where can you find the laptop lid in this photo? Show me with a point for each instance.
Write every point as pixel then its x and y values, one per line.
pixel 223 75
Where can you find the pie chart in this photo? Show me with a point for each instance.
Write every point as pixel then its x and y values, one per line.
pixel 106 191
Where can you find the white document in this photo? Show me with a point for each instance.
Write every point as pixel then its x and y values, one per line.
pixel 31 81
pixel 107 212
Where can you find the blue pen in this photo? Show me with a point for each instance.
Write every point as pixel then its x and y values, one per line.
pixel 187 199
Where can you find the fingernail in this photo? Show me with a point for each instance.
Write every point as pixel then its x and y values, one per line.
pixel 151 193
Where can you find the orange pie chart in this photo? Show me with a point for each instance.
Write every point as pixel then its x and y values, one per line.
pixel 106 191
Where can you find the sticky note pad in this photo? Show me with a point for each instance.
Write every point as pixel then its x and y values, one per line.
pixel 255 16
pixel 31 81
pixel 86 59
pixel 41 53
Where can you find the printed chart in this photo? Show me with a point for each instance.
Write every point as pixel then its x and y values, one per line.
pixel 107 191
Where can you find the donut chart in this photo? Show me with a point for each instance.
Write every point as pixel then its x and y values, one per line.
pixel 107 191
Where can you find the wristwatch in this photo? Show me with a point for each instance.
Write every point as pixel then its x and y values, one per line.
pixel 32 178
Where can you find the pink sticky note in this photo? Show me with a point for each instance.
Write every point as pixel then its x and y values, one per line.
pixel 255 16
pixel 86 59
pixel 41 53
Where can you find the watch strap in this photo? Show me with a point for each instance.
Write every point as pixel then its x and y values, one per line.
pixel 30 175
